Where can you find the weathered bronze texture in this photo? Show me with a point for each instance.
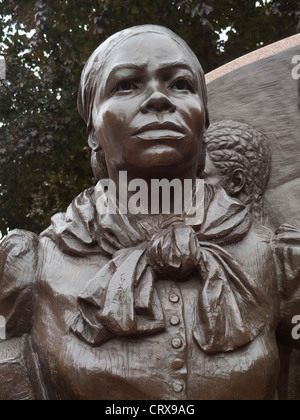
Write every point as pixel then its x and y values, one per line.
pixel 123 306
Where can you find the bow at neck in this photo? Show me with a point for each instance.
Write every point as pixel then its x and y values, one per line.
pixel 121 300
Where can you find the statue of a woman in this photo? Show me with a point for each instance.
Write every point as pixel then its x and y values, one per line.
pixel 149 306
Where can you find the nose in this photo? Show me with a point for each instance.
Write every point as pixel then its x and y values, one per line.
pixel 158 102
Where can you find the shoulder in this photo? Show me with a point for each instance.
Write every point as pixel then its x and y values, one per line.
pixel 18 257
pixel 18 244
pixel 286 244
pixel 18 264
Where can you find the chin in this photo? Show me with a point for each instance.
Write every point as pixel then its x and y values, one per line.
pixel 159 168
pixel 155 172
pixel 160 156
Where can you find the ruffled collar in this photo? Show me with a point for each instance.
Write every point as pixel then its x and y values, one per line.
pixel 121 300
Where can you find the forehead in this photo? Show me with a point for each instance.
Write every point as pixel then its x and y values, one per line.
pixel 149 48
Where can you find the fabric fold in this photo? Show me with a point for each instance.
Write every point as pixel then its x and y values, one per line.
pixel 122 301
pixel 232 308
pixel 118 314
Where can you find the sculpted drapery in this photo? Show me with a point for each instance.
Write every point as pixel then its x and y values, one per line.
pixel 118 306
pixel 121 300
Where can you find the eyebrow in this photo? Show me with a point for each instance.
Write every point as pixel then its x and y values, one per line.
pixel 125 66
pixel 163 66
pixel 177 64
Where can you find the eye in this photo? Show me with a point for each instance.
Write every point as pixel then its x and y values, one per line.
pixel 182 85
pixel 126 86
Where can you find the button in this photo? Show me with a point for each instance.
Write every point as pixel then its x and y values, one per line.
pixel 176 343
pixel 174 320
pixel 174 298
pixel 178 387
pixel 178 364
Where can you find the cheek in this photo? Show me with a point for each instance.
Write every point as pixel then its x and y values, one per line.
pixel 195 116
pixel 198 115
pixel 108 122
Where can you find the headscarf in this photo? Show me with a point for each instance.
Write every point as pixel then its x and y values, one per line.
pixel 93 72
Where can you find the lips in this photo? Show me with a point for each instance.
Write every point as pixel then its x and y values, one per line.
pixel 160 131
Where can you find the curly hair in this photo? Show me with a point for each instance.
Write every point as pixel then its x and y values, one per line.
pixel 233 145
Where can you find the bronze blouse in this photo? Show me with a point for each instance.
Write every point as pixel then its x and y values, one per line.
pixel 62 347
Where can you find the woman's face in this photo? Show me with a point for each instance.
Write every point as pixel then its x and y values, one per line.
pixel 149 115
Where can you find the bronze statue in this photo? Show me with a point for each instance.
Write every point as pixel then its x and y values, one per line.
pixel 239 159
pixel 124 306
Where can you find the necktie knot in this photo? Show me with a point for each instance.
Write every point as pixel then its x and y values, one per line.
pixel 174 253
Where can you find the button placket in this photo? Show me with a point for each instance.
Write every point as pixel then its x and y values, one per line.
pixel 176 343
pixel 173 308
pixel 174 320
pixel 178 364
pixel 178 387
pixel 174 298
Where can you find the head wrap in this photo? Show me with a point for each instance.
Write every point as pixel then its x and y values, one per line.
pixel 93 71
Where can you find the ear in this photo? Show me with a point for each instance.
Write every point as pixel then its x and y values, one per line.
pixel 237 182
pixel 93 142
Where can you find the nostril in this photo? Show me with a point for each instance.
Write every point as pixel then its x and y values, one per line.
pixel 158 102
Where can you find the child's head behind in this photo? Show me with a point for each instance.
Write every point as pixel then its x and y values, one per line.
pixel 239 158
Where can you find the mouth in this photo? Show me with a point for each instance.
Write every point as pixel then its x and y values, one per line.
pixel 160 131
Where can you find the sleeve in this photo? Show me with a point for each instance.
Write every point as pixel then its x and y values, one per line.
pixel 18 264
pixel 287 252
pixel 20 377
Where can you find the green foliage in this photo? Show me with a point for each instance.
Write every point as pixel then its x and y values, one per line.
pixel 44 159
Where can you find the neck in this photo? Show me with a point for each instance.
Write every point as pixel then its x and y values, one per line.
pixel 161 193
